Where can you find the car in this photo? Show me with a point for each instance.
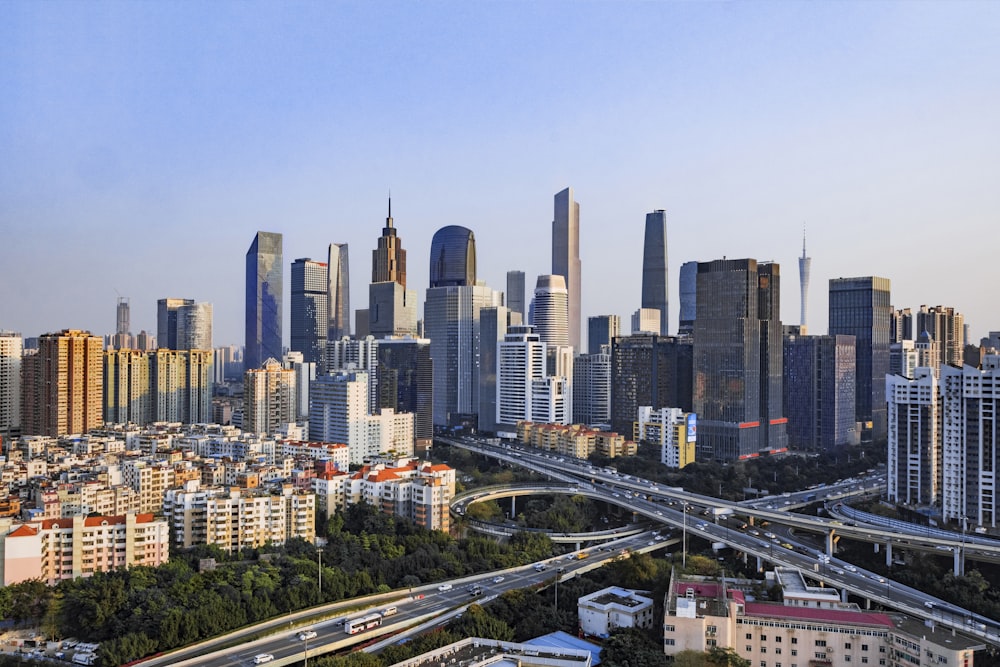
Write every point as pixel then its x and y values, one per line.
pixel 850 568
pixel 497 579
pixel 307 634
pixel 444 587
pixel 261 658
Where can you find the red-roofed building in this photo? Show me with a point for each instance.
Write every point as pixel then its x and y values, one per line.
pixel 417 490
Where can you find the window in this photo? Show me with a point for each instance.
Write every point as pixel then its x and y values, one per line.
pixel 777 651
pixel 881 661
pixel 749 636
pixel 820 655
pixel 668 628
pixel 847 658
pixel 711 629
pixel 763 638
pixel 763 663
pixel 668 642
pixel 795 652
pixel 795 640
pixel 847 646
pixel 763 649
pixel 864 647
pixel 821 642
pixel 711 642
pixel 864 660
pixel 748 648
pixel 778 639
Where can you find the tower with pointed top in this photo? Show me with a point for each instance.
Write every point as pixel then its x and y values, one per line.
pixel 804 264
pixel 389 258
pixel 566 257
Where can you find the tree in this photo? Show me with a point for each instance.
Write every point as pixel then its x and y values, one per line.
pixel 725 657
pixel 631 647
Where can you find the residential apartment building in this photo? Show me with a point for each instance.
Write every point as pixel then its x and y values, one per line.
pixel 63 384
pixel 268 397
pixel 613 608
pixel 416 490
pixel 672 430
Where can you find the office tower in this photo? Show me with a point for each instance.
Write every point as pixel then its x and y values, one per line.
pixel 392 310
pixel 914 437
pixel 566 258
pixel 947 327
pixel 592 388
pixel 453 257
pixel 338 413
pixel 405 382
pixel 305 372
pixel 389 258
pixel 515 293
pixel 166 321
pixel 493 324
pixel 550 310
pixel 194 326
pixel 264 293
pixel 63 384
pixel 688 298
pixel 646 321
pixel 268 397
pixel 971 443
pixel 654 268
pixel 525 391
pixel 122 338
pixel 648 370
pixel 338 291
pixel 145 341
pixel 860 307
pixel 353 354
pixel 901 326
pixel 309 322
pixel 451 322
pixel 804 264
pixel 737 383
pixel 127 387
pixel 11 351
pixel 601 330
pixel 819 391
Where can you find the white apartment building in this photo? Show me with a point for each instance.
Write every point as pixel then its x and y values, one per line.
pixel 613 608
pixel 672 430
pixel 11 351
pixel 416 490
pixel 525 391
pixel 914 431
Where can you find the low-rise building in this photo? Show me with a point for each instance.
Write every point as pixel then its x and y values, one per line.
pixel 612 608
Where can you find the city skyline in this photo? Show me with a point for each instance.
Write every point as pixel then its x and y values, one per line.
pixel 842 118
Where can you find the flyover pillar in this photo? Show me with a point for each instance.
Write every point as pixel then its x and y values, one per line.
pixel 513 507
pixel 959 568
pixel 760 564
pixel 888 554
pixel 830 543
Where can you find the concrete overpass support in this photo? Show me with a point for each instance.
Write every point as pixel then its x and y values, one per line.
pixel 959 568
pixel 843 595
pixel 888 554
pixel 831 543
pixel 760 564
pixel 513 507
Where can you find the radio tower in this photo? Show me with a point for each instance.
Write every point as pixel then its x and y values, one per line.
pixel 804 263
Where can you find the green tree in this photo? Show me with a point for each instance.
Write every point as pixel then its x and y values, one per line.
pixel 632 647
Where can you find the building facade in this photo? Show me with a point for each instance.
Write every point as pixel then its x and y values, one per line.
pixel 819 391
pixel 515 293
pixel 264 300
pixel 674 431
pixel 601 330
pixel 338 292
pixel 655 292
pixel 268 398
pixel 453 257
pixel 648 370
pixel 309 321
pixel 566 259
pixel 63 384
pixel 389 258
pixel 592 388
pixel 11 351
pixel 551 305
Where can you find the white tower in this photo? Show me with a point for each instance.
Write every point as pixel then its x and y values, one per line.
pixel 804 263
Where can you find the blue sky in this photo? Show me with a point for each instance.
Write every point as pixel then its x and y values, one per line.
pixel 145 143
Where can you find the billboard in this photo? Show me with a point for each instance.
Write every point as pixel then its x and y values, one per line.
pixel 692 427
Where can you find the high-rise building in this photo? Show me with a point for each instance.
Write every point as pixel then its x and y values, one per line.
pixel 389 258
pixel 453 257
pixel 804 264
pixel 601 330
pixel 166 321
pixel 515 293
pixel 647 321
pixel 947 327
pixel 654 268
pixel 309 322
pixel 63 384
pixel 550 310
pixel 451 322
pixel 392 310
pixel 860 307
pixel 566 257
pixel 127 387
pixel 122 338
pixel 268 397
pixel 406 381
pixel 493 325
pixel 11 351
pixel 525 391
pixel 648 370
pixel 914 437
pixel 592 388
pixel 264 294
pixel 901 326
pixel 356 354
pixel 338 291
pixel 819 391
pixel 738 360
pixel 194 326
pixel 688 297
pixel 305 373
pixel 181 385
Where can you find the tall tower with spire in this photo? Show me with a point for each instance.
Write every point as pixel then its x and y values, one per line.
pixel 804 263
pixel 389 258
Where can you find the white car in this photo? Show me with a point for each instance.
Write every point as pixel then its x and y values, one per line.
pixel 850 568
pixel 497 579
pixel 261 658
pixel 444 587
pixel 307 634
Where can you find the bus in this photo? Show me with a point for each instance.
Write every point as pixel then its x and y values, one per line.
pixel 367 622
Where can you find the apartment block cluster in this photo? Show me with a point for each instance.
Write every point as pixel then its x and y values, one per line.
pixel 811 627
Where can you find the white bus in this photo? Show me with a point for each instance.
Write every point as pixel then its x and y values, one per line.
pixel 367 622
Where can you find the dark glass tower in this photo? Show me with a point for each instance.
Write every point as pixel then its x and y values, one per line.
pixel 338 290
pixel 860 307
pixel 309 302
pixel 405 381
pixel 738 360
pixel 515 293
pixel 688 297
pixel 601 330
pixel 263 300
pixel 654 267
pixel 566 257
pixel 819 391
pixel 648 370
pixel 453 257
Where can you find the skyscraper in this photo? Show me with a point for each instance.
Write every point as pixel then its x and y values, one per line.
pixel 309 315
pixel 550 314
pixel 515 293
pixel 738 360
pixel 860 307
pixel 648 370
pixel 525 391
pixel 268 397
pixel 122 338
pixel 947 327
pixel 389 258
pixel 804 264
pixel 592 388
pixel 654 267
pixel 338 290
pixel 63 384
pixel 11 350
pixel 453 257
pixel 405 382
pixel 819 384
pixel 601 330
pixel 688 297
pixel 566 257
pixel 194 326
pixel 264 311
pixel 493 324
pixel 166 321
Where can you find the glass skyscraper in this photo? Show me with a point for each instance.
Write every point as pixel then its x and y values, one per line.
pixel 566 257
pixel 453 257
pixel 861 307
pixel 515 293
pixel 601 330
pixel 309 315
pixel 338 292
pixel 654 267
pixel 819 391
pixel 263 300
